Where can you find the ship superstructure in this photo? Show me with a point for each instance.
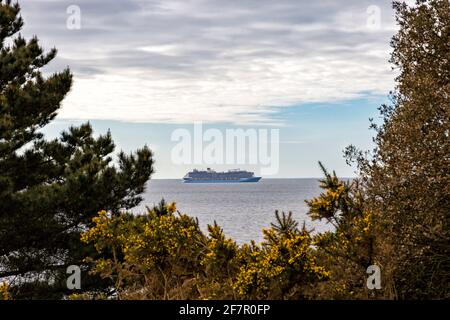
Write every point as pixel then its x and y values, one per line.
pixel 212 176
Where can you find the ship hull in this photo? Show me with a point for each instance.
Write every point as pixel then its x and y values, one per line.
pixel 243 180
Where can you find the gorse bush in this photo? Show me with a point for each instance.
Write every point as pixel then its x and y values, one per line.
pixel 4 291
pixel 166 256
pixel 348 250
pixel 148 256
pixel 282 268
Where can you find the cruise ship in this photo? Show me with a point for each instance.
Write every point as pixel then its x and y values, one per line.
pixel 211 176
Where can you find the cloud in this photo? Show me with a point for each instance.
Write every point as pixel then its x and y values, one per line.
pixel 211 60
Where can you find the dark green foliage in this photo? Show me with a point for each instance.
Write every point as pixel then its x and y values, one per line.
pixel 50 190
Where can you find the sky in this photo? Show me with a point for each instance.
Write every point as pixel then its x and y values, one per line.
pixel 314 70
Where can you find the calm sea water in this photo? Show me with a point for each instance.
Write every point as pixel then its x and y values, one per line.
pixel 241 209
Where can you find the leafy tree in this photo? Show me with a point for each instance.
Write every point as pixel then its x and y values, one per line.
pixel 407 180
pixel 50 190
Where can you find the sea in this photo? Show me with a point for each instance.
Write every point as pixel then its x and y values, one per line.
pixel 241 209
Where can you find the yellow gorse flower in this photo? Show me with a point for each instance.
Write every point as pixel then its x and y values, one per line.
pixel 4 291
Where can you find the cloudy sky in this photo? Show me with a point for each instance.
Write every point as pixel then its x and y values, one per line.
pixel 316 70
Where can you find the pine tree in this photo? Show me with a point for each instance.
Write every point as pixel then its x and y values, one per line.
pixel 50 190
